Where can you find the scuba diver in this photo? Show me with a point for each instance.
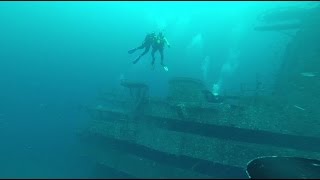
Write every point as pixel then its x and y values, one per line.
pixel 158 45
pixel 148 41
pixel 212 98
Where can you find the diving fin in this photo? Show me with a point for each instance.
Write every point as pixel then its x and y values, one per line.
pixel 131 51
pixel 152 67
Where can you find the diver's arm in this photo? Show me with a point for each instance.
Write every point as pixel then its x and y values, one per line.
pixel 165 39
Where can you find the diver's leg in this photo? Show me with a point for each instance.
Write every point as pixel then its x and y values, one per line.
pixel 161 55
pixel 142 46
pixel 133 50
pixel 144 52
pixel 152 54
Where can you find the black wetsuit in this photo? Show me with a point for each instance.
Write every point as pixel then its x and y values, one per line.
pixel 148 41
pixel 158 45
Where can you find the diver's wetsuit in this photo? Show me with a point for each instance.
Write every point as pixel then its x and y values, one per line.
pixel 148 41
pixel 158 45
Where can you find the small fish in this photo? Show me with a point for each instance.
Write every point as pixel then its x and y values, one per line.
pixel 314 164
pixel 299 107
pixel 308 74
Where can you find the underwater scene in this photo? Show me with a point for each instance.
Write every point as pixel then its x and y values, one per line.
pixel 106 89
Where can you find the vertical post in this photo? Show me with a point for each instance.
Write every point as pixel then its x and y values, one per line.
pixel 258 84
pixel 241 89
